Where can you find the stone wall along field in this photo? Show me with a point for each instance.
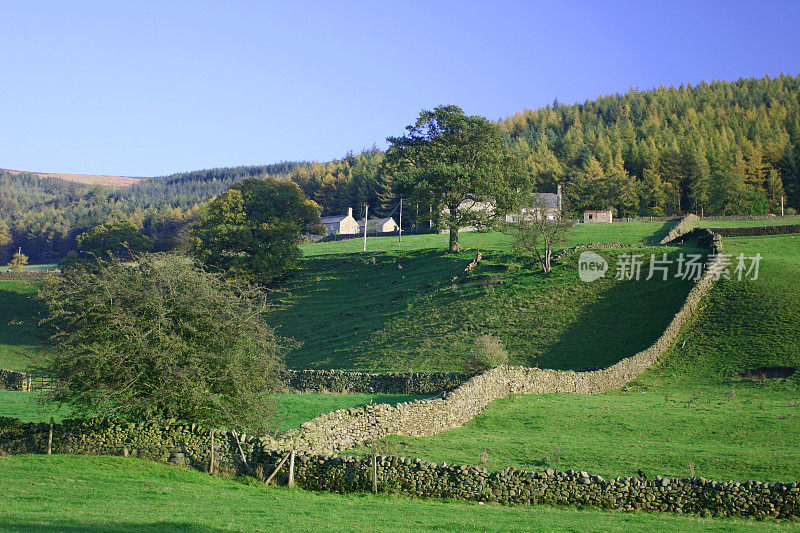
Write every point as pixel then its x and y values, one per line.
pixel 755 231
pixel 13 380
pixel 338 381
pixel 342 429
pixel 680 228
pixel 27 275
pixel 190 445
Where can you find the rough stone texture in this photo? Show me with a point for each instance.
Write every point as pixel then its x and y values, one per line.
pixel 680 228
pixel 757 230
pixel 28 275
pixel 748 217
pixel 644 219
pixel 13 380
pixel 189 445
pixel 364 383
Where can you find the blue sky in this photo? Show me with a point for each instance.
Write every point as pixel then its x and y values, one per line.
pixel 151 88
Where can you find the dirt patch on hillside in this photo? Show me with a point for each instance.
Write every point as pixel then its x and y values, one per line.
pixel 122 182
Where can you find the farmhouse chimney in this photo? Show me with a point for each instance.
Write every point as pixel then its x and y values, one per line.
pixel 350 211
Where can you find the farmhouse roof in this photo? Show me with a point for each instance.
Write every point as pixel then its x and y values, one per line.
pixel 549 199
pixel 597 211
pixel 330 220
pixel 378 220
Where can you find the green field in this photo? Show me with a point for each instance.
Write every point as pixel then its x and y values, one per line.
pixel 90 493
pixel 292 409
pixel 624 233
pixel 20 337
pixel 400 309
pixel 694 408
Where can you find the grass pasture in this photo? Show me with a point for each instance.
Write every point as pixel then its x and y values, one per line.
pixel 405 307
pixel 95 493
pixel 20 337
pixel 696 407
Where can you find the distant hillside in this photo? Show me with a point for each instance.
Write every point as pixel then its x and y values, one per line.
pixel 85 179
pixel 720 148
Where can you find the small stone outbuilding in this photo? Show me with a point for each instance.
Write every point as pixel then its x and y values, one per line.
pixel 597 216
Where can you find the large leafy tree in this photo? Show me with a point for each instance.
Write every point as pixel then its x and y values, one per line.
pixel 252 231
pixel 159 338
pixel 456 164
pixel 114 239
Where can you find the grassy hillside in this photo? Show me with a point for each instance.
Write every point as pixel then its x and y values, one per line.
pixel 20 337
pixel 694 408
pixel 398 307
pixel 85 493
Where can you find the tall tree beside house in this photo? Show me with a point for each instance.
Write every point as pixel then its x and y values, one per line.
pixel 451 161
pixel 252 231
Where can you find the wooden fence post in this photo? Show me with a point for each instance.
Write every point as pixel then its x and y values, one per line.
pixel 285 457
pixel 291 468
pixel 50 438
pixel 241 452
pixel 211 464
pixel 375 473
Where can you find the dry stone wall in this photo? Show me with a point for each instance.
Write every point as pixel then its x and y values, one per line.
pixel 680 228
pixel 361 382
pixel 27 275
pixel 13 380
pixel 344 428
pixel 754 231
pixel 189 445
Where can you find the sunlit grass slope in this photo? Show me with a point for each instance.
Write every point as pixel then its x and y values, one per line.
pixel 90 493
pixel 697 408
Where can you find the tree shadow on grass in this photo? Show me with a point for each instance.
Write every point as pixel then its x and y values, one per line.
pixel 336 301
pixel 627 318
pixel 662 232
pixel 19 317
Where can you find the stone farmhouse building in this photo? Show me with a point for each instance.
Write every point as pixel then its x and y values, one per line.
pixel 597 216
pixel 543 205
pixel 341 224
pixel 546 204
pixel 379 225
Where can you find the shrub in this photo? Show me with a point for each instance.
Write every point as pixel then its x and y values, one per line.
pixel 160 339
pixel 487 352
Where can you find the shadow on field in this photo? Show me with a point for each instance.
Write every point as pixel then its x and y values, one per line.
pixel 19 316
pixel 337 301
pixel 626 318
pixel 656 237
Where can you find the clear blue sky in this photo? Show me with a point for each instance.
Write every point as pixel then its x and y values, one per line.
pixel 154 87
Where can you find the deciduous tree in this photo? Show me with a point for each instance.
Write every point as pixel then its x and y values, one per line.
pixel 252 231
pixel 159 338
pixel 453 162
